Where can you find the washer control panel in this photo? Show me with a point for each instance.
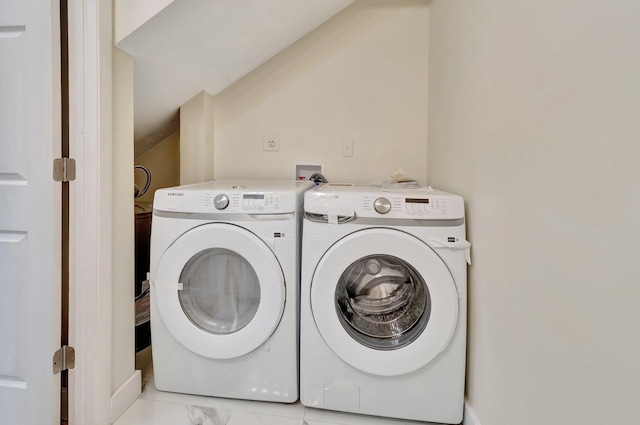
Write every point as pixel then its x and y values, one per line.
pixel 408 206
pixel 425 204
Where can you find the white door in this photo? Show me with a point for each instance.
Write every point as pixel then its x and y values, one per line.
pixel 220 291
pixel 384 301
pixel 29 211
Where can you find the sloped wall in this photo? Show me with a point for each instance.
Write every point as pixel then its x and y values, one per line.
pixel 359 77
pixel 130 15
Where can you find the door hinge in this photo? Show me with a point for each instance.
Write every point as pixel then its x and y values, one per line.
pixel 64 359
pixel 64 169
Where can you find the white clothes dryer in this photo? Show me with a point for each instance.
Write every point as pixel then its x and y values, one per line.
pixel 224 273
pixel 383 302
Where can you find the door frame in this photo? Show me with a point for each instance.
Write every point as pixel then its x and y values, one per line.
pixel 90 41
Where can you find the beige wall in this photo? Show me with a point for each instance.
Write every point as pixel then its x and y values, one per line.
pixel 163 161
pixel 361 76
pixel 196 139
pixel 122 319
pixel 533 117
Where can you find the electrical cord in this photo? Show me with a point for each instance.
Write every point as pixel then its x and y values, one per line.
pixel 136 190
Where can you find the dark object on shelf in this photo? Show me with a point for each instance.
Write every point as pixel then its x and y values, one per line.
pixel 141 286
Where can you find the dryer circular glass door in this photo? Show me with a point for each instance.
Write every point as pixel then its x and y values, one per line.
pixel 384 301
pixel 220 290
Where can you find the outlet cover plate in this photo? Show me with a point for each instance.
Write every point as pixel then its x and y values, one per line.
pixel 270 143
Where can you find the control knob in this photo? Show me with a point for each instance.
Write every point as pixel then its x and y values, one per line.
pixel 221 202
pixel 382 205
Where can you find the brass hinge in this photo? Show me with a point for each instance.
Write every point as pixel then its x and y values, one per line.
pixel 64 359
pixel 64 169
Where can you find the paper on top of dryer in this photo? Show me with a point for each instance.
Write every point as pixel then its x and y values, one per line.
pixel 329 204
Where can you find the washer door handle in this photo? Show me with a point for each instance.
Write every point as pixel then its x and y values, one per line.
pixel 458 245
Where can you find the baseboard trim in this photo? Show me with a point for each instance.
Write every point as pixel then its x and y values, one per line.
pixel 470 417
pixel 125 395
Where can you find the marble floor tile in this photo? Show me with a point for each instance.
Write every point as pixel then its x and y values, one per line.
pixel 164 408
pixel 148 412
pixel 323 417
pixel 294 410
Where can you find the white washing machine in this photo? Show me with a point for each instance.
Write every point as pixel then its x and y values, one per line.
pixel 383 302
pixel 224 288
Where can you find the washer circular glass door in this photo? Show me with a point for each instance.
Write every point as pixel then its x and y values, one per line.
pixel 220 290
pixel 384 301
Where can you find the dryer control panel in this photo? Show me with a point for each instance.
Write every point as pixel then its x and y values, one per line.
pixel 261 203
pixel 227 202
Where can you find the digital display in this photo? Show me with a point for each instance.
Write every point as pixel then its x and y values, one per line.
pixel 416 200
pixel 252 196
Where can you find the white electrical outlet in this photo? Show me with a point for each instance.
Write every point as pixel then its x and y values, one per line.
pixel 270 143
